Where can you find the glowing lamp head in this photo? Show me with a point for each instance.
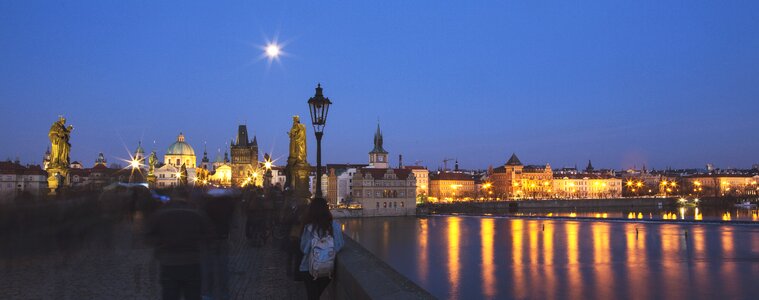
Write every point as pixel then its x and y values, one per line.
pixel 135 164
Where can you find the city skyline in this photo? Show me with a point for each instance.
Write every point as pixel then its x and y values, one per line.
pixel 625 86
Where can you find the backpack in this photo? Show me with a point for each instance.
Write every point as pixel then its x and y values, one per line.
pixel 321 260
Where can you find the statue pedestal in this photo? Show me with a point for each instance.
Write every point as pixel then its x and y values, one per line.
pixel 151 181
pixel 300 184
pixel 56 179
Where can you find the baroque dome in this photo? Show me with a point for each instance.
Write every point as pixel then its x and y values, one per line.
pixel 180 147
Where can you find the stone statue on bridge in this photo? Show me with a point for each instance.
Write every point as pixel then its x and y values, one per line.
pixel 297 169
pixel 60 148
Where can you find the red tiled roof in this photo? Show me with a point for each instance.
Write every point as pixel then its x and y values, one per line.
pixel 9 167
pixel 380 173
pixel 450 176
pixel 80 172
pixel 34 170
pixel 582 176
pixel 414 167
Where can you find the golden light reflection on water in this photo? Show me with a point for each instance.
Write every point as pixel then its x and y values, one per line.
pixel 600 242
pixel 670 240
pixel 487 234
pixel 671 237
pixel 699 241
pixel 573 256
pixel 728 243
pixel 517 230
pixel 423 252
pixel 385 235
pixel 728 269
pixel 531 267
pixel 548 244
pixel 698 247
pixel 636 258
pixel 549 273
pixel 454 235
pixel 532 230
pixel 601 259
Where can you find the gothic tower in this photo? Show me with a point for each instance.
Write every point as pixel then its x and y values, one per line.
pixel 244 157
pixel 139 154
pixel 205 163
pixel 378 155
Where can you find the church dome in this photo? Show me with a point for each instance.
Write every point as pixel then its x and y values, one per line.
pixel 180 147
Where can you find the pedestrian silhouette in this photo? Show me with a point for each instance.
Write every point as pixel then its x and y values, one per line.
pixel 220 211
pixel 178 231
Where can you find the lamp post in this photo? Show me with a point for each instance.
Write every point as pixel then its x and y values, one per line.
pixel 319 107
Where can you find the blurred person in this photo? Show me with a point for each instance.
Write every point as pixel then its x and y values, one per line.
pixel 178 231
pixel 220 210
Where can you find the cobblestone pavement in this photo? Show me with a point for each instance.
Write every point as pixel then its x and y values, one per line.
pixel 113 262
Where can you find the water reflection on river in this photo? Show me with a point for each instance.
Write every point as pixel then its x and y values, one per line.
pixel 483 257
pixel 647 213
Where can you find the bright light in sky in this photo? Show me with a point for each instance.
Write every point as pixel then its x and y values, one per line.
pixel 272 51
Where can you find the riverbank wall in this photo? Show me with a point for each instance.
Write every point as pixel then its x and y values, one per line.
pixel 361 275
pixel 559 204
pixel 633 204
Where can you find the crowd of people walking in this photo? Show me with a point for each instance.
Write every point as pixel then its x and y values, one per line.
pixel 190 233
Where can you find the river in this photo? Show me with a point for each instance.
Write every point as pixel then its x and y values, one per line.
pixel 458 257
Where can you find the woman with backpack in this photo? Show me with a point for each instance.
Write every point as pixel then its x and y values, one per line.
pixel 320 241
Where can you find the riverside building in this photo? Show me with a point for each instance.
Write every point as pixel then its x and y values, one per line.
pixel 515 180
pixel 381 190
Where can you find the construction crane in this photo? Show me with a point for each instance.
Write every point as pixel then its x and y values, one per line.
pixel 445 163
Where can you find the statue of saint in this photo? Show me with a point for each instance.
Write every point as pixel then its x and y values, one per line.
pixel 59 138
pixel 152 161
pixel 183 175
pixel 297 142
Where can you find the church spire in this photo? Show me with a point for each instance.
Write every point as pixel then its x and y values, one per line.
pixel 205 153
pixel 378 141
pixel 378 155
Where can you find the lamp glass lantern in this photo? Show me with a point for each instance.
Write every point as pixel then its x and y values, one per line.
pixel 318 105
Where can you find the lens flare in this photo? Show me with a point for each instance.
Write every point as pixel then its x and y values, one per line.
pixel 273 50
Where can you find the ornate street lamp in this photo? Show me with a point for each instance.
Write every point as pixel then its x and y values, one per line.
pixel 319 107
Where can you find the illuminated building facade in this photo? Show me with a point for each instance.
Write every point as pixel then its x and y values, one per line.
pixel 721 185
pixel 180 152
pixel 245 159
pixel 340 178
pixel 422 176
pixel 222 176
pixel 385 192
pixel 451 186
pixel 587 186
pixel 515 180
pixel 169 176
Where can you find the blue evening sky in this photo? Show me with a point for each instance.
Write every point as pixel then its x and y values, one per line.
pixel 624 83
